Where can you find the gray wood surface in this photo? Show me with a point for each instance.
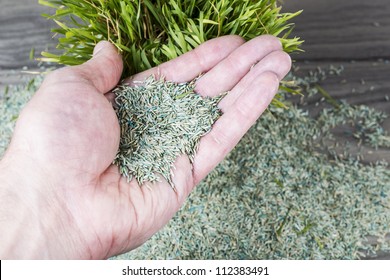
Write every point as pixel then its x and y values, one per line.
pixel 342 30
pixel 355 34
pixel 21 29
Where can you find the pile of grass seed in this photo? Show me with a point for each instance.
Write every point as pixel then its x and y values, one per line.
pixel 278 195
pixel 12 100
pixel 160 120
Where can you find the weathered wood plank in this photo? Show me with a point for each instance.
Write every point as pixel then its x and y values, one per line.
pixel 21 29
pixel 333 30
pixel 364 82
pixel 342 30
pixel 360 83
pixel 16 77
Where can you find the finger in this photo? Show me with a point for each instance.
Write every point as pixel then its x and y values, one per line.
pixel 230 71
pixel 102 71
pixel 193 63
pixel 105 68
pixel 278 62
pixel 234 123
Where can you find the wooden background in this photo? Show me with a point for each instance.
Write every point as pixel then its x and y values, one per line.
pixel 355 34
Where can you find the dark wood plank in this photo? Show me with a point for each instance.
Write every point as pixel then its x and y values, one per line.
pixel 332 30
pixel 342 30
pixel 16 77
pixel 22 28
pixel 361 82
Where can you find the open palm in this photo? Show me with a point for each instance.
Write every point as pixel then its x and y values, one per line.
pixel 70 133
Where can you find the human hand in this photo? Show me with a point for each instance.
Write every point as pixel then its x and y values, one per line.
pixel 62 196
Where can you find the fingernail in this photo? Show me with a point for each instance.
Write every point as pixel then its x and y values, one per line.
pixel 99 47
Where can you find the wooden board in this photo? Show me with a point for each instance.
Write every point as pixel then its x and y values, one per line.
pixel 342 30
pixel 361 82
pixel 356 36
pixel 21 29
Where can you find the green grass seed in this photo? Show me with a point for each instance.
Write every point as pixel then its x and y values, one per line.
pixel 159 121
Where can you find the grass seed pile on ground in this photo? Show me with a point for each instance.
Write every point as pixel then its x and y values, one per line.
pixel 278 195
pixel 275 197
pixel 159 121
pixel 11 103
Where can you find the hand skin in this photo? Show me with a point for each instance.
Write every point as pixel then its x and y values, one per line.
pixel 61 197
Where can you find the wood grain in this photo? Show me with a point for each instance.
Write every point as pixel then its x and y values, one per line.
pixel 21 29
pixel 361 82
pixel 342 30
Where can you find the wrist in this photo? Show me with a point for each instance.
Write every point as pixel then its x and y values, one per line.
pixel 32 224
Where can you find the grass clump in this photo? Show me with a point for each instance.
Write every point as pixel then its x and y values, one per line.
pixel 160 121
pixel 149 33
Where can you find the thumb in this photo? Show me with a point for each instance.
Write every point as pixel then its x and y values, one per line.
pixel 105 68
